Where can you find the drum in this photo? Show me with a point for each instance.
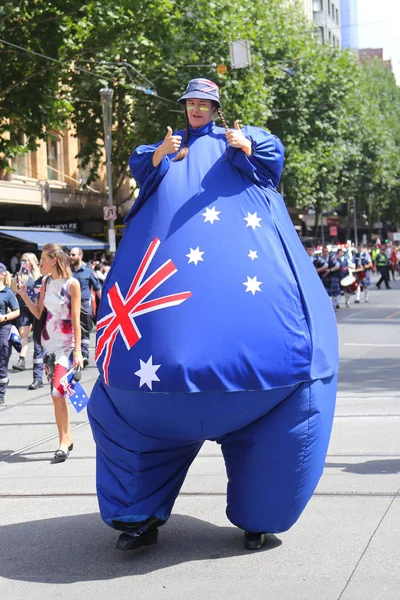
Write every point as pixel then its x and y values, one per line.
pixel 349 284
pixel 361 275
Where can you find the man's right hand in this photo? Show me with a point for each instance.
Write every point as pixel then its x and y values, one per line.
pixel 171 143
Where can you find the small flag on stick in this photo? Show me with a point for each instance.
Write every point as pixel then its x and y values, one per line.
pixel 74 391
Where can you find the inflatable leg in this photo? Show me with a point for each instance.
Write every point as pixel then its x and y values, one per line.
pixel 274 464
pixel 138 477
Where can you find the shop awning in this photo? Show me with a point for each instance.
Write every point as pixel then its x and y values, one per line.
pixel 42 236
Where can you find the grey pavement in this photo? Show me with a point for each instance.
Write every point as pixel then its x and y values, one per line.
pixel 53 544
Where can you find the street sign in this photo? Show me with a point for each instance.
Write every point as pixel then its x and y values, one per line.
pixel 240 54
pixel 222 69
pixel 110 213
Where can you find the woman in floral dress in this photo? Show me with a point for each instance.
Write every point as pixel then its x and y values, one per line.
pixel 61 334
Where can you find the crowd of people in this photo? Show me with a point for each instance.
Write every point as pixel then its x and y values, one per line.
pixel 54 301
pixel 346 270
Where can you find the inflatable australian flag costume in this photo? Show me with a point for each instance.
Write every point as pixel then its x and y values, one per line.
pixel 213 325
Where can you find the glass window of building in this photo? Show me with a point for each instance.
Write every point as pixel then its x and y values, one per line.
pixel 317 5
pixel 20 163
pixel 54 158
pixel 337 16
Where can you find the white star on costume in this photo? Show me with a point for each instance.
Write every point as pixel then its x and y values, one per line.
pixel 252 254
pixel 252 285
pixel 252 220
pixel 211 215
pixel 147 373
pixel 195 255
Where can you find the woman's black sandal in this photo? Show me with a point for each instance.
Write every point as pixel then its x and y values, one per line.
pixel 60 455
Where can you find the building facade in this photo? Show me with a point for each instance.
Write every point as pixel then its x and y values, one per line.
pixel 326 16
pixel 369 54
pixel 44 189
pixel 349 24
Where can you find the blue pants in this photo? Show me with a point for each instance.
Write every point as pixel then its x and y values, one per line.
pixel 274 444
pixel 5 353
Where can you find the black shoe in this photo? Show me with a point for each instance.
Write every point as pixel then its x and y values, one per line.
pixel 85 362
pixel 60 455
pixel 20 366
pixel 71 447
pixel 254 541
pixel 2 400
pixel 378 286
pixel 127 541
pixel 36 384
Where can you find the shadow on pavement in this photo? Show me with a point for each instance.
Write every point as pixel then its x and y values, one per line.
pixel 81 548
pixel 370 467
pixel 373 374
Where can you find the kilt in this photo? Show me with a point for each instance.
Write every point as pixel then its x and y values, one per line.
pixel 332 286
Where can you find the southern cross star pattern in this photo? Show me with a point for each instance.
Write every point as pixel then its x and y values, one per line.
pixel 130 309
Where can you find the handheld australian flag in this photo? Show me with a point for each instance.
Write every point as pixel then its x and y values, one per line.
pixel 15 339
pixel 74 391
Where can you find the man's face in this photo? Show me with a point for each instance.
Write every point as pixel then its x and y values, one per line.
pixel 200 111
pixel 74 257
pixel 310 251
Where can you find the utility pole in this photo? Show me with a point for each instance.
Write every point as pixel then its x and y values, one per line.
pixel 106 95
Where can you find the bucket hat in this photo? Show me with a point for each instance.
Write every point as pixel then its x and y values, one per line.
pixel 201 88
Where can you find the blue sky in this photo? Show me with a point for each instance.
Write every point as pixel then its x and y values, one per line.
pixel 379 27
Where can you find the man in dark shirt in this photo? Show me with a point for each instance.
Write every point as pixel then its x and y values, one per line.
pixel 88 282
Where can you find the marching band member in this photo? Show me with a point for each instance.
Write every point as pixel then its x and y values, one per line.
pixel 213 325
pixel 332 277
pixel 364 266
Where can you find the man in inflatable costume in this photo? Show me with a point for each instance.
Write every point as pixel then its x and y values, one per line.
pixel 213 325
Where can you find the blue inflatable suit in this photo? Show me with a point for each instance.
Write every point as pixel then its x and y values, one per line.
pixel 213 325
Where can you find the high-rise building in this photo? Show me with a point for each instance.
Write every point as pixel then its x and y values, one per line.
pixel 326 15
pixel 349 23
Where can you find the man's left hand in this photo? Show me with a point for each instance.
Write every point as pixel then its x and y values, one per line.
pixel 236 139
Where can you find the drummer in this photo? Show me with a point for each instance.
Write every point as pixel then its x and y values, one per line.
pixel 364 267
pixel 345 264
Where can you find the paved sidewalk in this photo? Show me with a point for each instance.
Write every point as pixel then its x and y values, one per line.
pixel 344 547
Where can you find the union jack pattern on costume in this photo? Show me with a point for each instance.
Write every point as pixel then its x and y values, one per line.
pixel 125 309
pixel 210 86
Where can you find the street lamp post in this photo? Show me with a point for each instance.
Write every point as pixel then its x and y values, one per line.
pixel 106 95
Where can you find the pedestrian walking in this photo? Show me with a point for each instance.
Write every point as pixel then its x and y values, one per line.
pixel 383 267
pixel 88 282
pixel 28 275
pixel 214 325
pixel 9 310
pixel 61 334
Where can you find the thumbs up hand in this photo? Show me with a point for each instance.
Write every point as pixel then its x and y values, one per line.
pixel 171 143
pixel 236 139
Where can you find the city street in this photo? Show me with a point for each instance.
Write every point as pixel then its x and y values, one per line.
pixel 344 547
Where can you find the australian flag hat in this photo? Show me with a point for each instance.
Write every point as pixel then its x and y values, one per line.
pixel 201 88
